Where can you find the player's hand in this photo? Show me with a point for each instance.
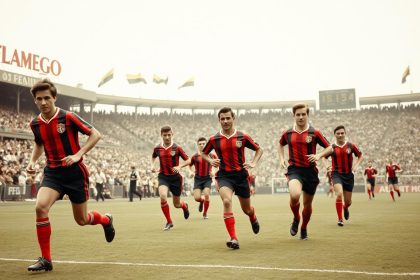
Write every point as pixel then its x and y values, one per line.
pixel 313 158
pixel 153 169
pixel 70 160
pixel 249 165
pixel 30 169
pixel 215 162
pixel 283 165
pixel 176 169
pixel 190 174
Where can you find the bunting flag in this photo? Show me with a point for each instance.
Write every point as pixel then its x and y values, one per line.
pixel 135 78
pixel 405 74
pixel 188 83
pixel 159 80
pixel 107 77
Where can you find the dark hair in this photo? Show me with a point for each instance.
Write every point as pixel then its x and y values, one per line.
pixel 339 127
pixel 165 128
pixel 225 110
pixel 44 85
pixel 201 139
pixel 300 106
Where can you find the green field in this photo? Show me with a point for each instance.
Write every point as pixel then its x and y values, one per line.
pixel 381 236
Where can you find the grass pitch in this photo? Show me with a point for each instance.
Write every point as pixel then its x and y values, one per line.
pixel 380 237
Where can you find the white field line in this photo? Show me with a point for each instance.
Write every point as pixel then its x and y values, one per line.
pixel 238 267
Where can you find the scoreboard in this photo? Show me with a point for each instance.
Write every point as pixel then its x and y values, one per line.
pixel 337 99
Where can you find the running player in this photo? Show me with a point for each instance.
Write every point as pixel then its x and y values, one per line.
pixel 169 178
pixel 232 176
pixel 370 173
pixel 343 171
pixel 302 174
pixel 391 177
pixel 56 132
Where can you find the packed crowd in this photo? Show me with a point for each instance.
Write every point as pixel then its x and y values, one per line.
pixel 381 134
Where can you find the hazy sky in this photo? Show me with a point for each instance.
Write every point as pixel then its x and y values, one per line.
pixel 235 49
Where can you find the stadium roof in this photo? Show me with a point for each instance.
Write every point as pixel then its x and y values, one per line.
pixel 385 99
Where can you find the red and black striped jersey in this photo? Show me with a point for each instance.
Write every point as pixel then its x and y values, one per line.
pixel 370 172
pixel 230 149
pixel 302 144
pixel 168 157
pixel 202 167
pixel 59 135
pixel 390 170
pixel 342 157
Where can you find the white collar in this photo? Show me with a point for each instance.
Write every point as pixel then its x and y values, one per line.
pixel 300 132
pixel 341 145
pixel 55 115
pixel 228 137
pixel 170 146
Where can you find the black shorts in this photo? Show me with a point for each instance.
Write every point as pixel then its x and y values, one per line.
pixel 201 182
pixel 371 181
pixel 393 181
pixel 72 180
pixel 173 182
pixel 307 176
pixel 237 181
pixel 345 179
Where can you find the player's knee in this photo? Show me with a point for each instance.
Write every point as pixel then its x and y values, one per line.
pixel 41 210
pixel 206 197
pixel 81 221
pixel 197 198
pixel 227 202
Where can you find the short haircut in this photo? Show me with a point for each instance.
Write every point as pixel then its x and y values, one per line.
pixel 44 85
pixel 165 128
pixel 300 106
pixel 339 127
pixel 225 110
pixel 201 139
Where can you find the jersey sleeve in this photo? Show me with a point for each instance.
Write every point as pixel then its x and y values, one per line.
pixel 182 154
pixel 321 140
pixel 250 143
pixel 209 146
pixel 37 139
pixel 365 171
pixel 283 138
pixel 356 150
pixel 155 154
pixel 192 161
pixel 80 124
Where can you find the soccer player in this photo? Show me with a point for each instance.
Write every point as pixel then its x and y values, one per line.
pixel 232 176
pixel 134 176
pixel 343 171
pixel 202 178
pixel 302 174
pixel 391 173
pixel 56 131
pixel 169 178
pixel 370 173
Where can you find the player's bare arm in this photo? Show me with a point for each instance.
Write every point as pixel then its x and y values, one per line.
pixel 36 153
pixel 326 152
pixel 152 165
pixel 94 137
pixel 215 162
pixel 357 163
pixel 257 157
pixel 280 152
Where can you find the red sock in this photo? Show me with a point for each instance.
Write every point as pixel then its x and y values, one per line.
pixel 398 192
pixel 252 216
pixel 165 209
pixel 43 231
pixel 96 218
pixel 392 195
pixel 200 200
pixel 306 214
pixel 369 193
pixel 295 210
pixel 183 205
pixel 339 208
pixel 206 206
pixel 230 224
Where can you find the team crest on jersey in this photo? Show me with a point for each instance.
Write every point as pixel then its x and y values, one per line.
pixel 238 144
pixel 173 153
pixel 308 139
pixel 61 128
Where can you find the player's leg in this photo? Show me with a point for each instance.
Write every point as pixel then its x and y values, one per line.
pixel 163 194
pixel 295 190
pixel 369 189
pixel 397 189
pixel 226 194
pixel 347 203
pixel 176 189
pixel 391 190
pixel 250 211
pixel 306 214
pixel 338 188
pixel 206 193
pixel 198 198
pixel 83 217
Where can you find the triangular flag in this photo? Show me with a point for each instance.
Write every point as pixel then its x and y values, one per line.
pixel 159 80
pixel 188 83
pixel 405 74
pixel 135 78
pixel 107 77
